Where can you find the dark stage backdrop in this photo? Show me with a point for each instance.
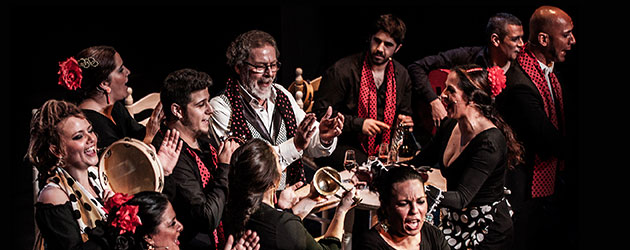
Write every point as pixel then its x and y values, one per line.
pixel 154 40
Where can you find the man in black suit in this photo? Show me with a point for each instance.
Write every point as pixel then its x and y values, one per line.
pixel 198 186
pixel 532 104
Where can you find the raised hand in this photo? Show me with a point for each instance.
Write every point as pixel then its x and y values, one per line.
pixel 330 127
pixel 288 198
pixel 169 151
pixel 304 132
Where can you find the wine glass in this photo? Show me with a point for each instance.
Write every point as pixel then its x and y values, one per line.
pixel 349 161
pixel 383 152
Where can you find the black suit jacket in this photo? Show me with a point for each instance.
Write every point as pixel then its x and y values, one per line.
pixel 198 209
pixel 521 106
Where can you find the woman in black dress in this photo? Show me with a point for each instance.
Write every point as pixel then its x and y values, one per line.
pixel 254 177
pixel 473 148
pixel 102 86
pixel 402 215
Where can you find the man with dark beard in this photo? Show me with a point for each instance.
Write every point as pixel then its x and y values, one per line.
pixel 253 106
pixel 371 90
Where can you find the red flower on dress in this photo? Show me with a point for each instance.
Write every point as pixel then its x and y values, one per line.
pixel 70 74
pixel 497 80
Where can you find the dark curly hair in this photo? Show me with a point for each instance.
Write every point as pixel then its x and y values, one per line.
pixel 476 88
pixel 391 25
pixel 253 171
pixel 178 86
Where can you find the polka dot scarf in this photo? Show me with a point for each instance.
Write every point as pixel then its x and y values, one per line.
pixel 86 209
pixel 367 103
pixel 218 233
pixel 238 124
pixel 544 169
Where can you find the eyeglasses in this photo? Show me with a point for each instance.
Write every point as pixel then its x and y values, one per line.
pixel 262 67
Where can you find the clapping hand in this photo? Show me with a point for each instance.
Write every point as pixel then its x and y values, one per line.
pixel 330 127
pixel 249 241
pixel 304 132
pixel 169 151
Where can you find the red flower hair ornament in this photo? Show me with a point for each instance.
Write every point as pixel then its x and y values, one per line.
pixel 70 74
pixel 126 218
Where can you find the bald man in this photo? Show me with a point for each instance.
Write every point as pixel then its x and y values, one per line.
pixel 532 104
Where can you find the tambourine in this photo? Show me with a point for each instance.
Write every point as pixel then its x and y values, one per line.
pixel 130 166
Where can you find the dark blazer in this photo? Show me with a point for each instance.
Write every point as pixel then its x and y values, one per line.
pixel 198 209
pixel 521 106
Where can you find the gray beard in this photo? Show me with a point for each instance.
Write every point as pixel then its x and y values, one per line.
pixel 261 93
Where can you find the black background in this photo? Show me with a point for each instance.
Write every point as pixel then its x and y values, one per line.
pixel 157 38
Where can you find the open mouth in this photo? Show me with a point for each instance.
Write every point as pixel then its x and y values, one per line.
pixel 412 224
pixel 90 151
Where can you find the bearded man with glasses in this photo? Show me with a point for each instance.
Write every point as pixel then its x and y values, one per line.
pixel 253 106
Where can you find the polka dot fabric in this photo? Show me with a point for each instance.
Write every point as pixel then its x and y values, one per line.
pixel 544 169
pixel 367 103
pixel 238 124
pixel 206 177
pixel 86 209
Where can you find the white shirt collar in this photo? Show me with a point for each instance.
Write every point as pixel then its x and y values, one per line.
pixel 546 69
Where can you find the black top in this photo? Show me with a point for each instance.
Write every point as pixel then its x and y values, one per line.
pixel 477 176
pixel 340 87
pixel 284 230
pixel 431 239
pixel 60 229
pixel 419 70
pixel 109 132
pixel 198 209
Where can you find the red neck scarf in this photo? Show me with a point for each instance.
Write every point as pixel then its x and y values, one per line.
pixel 206 177
pixel 239 128
pixel 367 103
pixel 544 169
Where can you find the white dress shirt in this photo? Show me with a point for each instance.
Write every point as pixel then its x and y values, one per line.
pixel 287 153
pixel 546 71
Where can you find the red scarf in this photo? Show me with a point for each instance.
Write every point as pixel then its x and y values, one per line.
pixel 367 104
pixel 206 177
pixel 295 171
pixel 544 169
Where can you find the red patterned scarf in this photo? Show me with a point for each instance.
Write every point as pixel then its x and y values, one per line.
pixel 544 169
pixel 367 103
pixel 206 177
pixel 239 128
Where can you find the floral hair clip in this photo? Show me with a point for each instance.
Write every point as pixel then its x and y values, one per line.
pixel 126 218
pixel 70 74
